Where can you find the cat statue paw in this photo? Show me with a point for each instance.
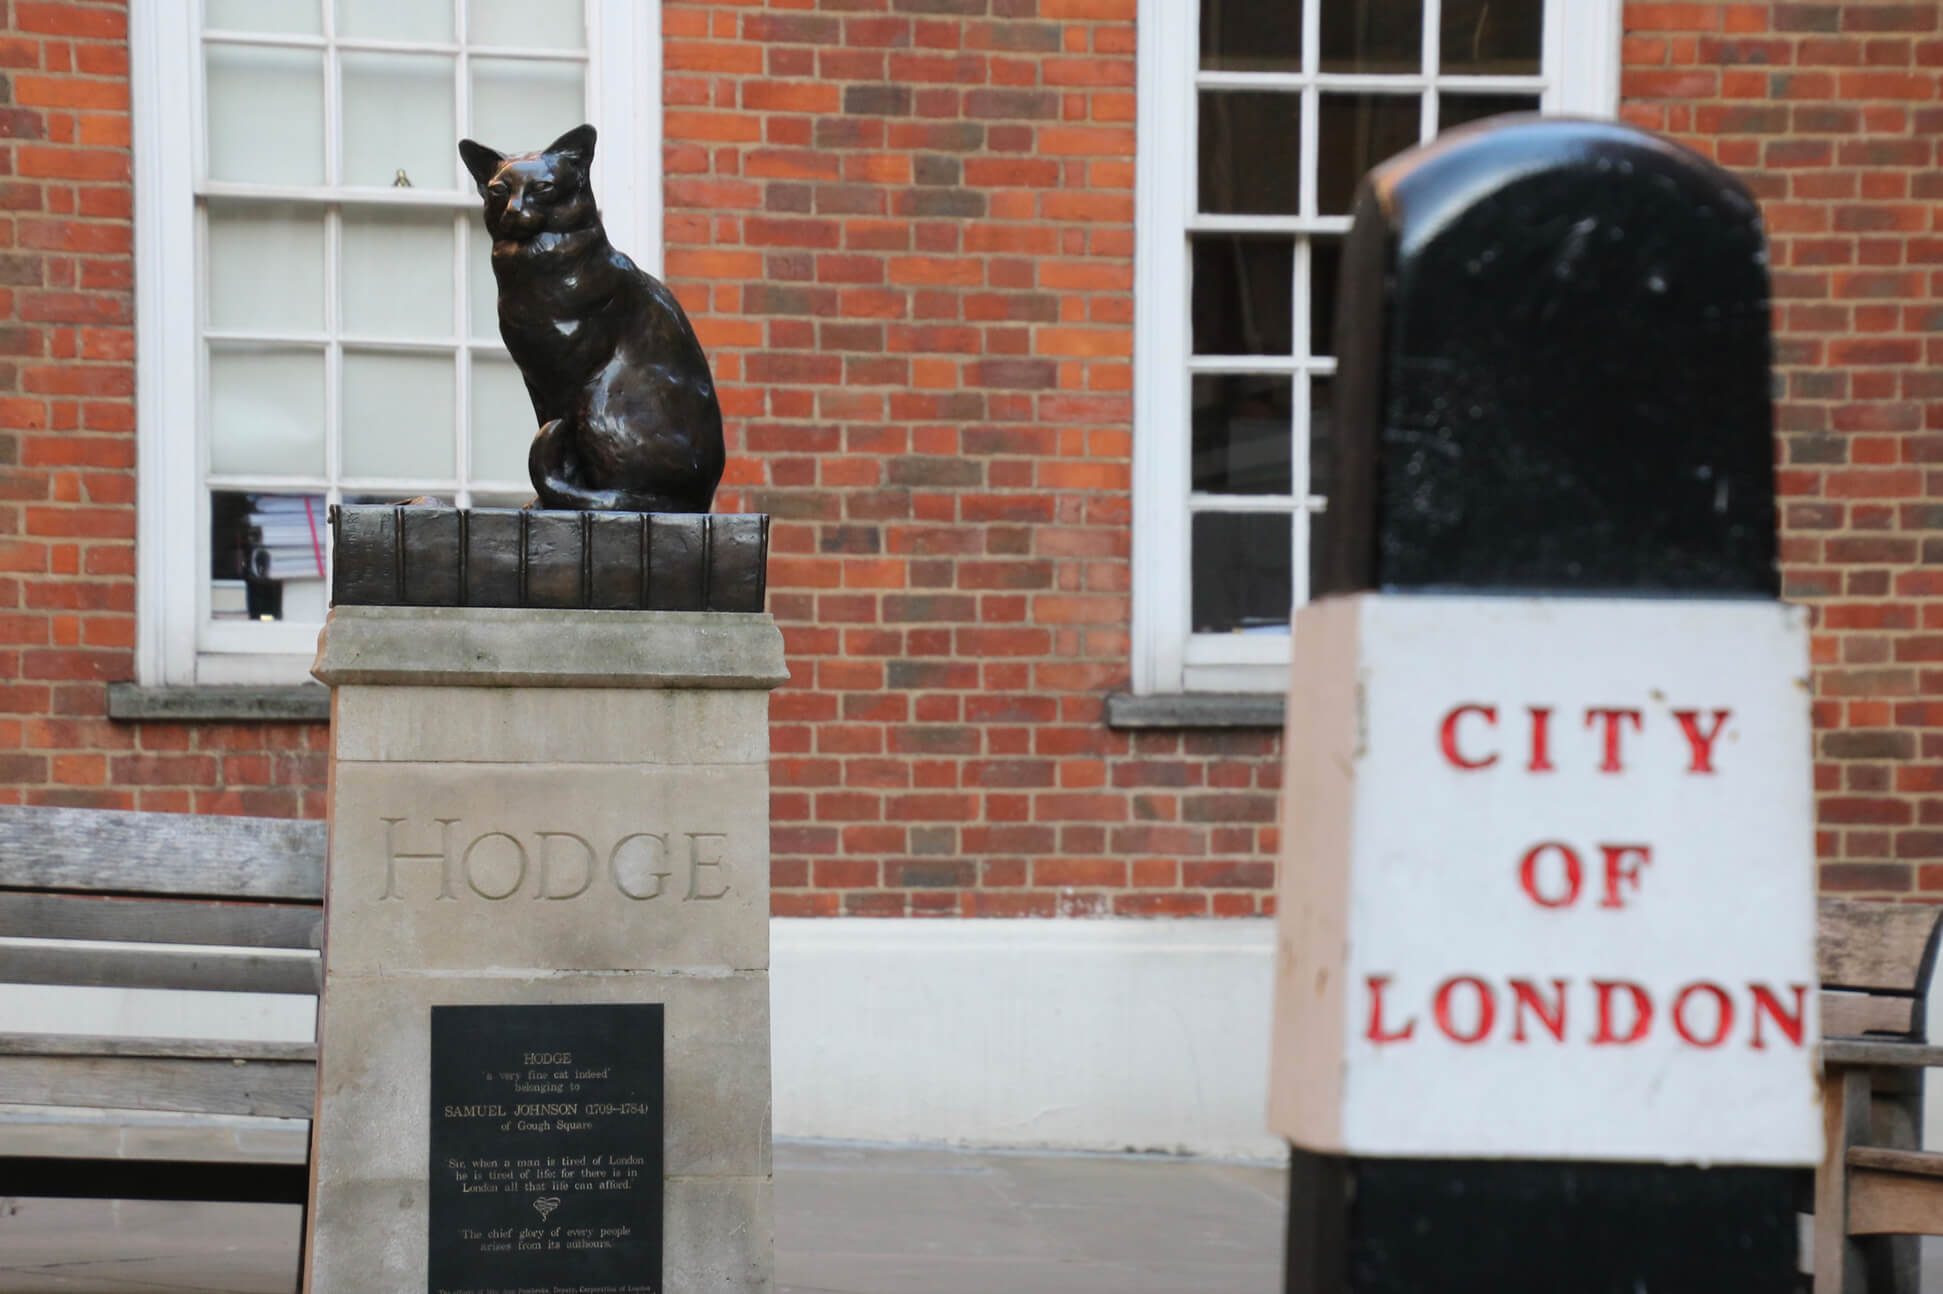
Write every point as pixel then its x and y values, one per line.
pixel 629 419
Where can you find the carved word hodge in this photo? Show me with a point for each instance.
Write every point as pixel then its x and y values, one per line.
pixel 496 865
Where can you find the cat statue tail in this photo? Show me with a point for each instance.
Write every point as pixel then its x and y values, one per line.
pixel 546 465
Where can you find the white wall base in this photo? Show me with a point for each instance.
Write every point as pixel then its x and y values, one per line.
pixel 1085 1035
pixel 1094 1035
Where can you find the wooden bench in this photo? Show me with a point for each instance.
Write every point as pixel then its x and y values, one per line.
pixel 157 901
pixel 1875 1191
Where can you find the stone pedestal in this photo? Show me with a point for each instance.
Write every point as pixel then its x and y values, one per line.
pixel 553 808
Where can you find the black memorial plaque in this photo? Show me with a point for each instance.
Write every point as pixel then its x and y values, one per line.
pixel 546 1150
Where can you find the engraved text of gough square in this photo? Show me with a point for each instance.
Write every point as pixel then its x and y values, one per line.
pixel 498 865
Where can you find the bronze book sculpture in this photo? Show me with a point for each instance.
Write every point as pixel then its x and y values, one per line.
pixel 628 415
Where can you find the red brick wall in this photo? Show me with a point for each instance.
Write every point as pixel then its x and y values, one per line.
pixel 905 230
pixel 907 235
pixel 67 452
pixel 1832 113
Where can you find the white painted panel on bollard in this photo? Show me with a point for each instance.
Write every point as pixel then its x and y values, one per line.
pixel 1548 882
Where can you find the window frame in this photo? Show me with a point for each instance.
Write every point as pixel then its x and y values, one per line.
pixel 624 94
pixel 1580 68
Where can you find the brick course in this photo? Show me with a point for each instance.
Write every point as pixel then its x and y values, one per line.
pixel 905 231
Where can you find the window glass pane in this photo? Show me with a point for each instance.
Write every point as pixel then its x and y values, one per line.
pixel 528 24
pixel 1250 143
pixel 301 16
pixel 266 114
pixel 1372 35
pixel 1325 266
pixel 398 118
pixel 482 290
pixel 266 267
pixel 1356 132
pixel 1240 570
pixel 1322 443
pixel 266 410
pixel 1243 295
pixel 503 423
pixel 522 105
pixel 399 414
pixel 398 272
pixel 1249 36
pixel 1493 37
pixel 426 20
pixel 1456 109
pixel 266 556
pixel 1241 433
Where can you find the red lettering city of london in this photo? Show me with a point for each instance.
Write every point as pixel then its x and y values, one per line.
pixel 1469 1009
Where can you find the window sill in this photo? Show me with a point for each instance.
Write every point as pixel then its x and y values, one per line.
pixel 303 703
pixel 1124 710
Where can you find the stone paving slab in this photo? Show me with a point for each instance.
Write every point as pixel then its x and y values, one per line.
pixel 849 1220
pixel 131 1246
pixel 857 1220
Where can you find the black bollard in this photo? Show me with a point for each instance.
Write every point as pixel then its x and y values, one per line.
pixel 1544 1017
pixel 1553 371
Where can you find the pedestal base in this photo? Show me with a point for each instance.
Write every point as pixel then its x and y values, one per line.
pixel 545 810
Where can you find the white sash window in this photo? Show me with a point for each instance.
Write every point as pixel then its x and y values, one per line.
pixel 315 306
pixel 1256 119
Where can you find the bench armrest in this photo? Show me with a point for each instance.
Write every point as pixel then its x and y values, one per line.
pixel 1879 1051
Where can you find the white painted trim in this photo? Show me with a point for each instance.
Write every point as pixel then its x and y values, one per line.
pixel 624 66
pixel 1582 40
pixel 1163 201
pixel 162 48
pixel 1580 77
pixel 1086 1035
pixel 173 645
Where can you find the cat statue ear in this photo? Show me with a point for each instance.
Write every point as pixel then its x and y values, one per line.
pixel 577 145
pixel 483 162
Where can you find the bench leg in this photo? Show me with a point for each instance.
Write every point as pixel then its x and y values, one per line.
pixel 1894 1262
pixel 1839 1267
pixel 303 1250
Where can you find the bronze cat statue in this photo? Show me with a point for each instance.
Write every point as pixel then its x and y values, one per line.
pixel 628 415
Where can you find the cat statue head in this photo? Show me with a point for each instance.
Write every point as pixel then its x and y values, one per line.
pixel 528 194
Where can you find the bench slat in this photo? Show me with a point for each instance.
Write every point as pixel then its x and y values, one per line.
pixel 1853 1015
pixel 76 1044
pixel 89 967
pixel 57 1132
pixel 1862 1051
pixel 1916 1163
pixel 160 921
pixel 116 852
pixel 1890 1203
pixel 1874 945
pixel 280 1088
